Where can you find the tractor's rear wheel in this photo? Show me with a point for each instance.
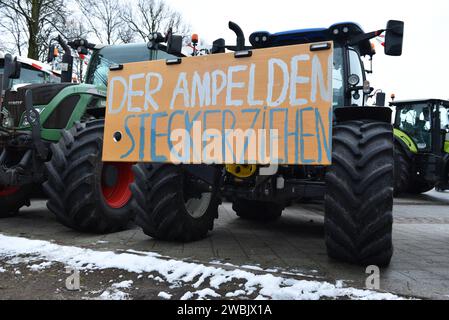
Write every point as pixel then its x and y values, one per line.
pixel 359 199
pixel 12 199
pixel 257 210
pixel 169 207
pixel 85 193
pixel 402 171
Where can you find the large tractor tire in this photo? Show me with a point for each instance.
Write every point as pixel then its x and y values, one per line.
pixel 257 210
pixel 402 171
pixel 84 193
pixel 12 199
pixel 169 206
pixel 359 198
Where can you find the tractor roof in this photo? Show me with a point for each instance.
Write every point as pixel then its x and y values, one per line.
pixel 35 64
pixel 339 32
pixel 319 34
pixel 420 101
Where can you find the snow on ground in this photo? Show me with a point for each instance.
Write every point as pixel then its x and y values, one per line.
pixel 176 272
pixel 114 295
pixel 164 295
pixel 114 292
pixel 2 270
pixel 123 285
pixel 41 266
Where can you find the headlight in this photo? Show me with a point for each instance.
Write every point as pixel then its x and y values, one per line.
pixel 7 122
pixel 25 122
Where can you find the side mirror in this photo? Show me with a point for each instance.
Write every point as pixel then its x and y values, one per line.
pixel 17 67
pixel 380 99
pixel 394 38
pixel 218 46
pixel 174 44
pixel 12 68
pixel 51 54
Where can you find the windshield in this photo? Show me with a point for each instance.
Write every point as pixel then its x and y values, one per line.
pixel 355 67
pixel 444 116
pixel 415 121
pixel 337 77
pixel 121 54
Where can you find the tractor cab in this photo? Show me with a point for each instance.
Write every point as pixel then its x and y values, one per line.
pixel 421 129
pixel 351 43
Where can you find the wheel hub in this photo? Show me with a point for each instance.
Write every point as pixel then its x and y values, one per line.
pixel 116 179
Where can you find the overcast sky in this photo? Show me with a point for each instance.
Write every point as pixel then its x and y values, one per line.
pixel 421 72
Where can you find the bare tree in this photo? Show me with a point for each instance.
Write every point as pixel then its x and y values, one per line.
pixel 35 20
pixel 150 16
pixel 12 28
pixel 104 19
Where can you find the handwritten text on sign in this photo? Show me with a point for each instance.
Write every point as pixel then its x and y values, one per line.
pixel 273 107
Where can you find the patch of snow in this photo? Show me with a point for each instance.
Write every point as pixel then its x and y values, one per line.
pixel 18 272
pixel 40 267
pixel 234 294
pixel 174 271
pixel 252 268
pixel 203 294
pixel 123 285
pixel 2 270
pixel 164 295
pixel 187 296
pixel 114 295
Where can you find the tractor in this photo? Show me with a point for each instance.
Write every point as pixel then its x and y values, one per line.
pixel 421 134
pixel 51 139
pixel 179 200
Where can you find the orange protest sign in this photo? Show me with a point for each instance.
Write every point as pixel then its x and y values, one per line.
pixel 274 106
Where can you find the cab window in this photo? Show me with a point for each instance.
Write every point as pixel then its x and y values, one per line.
pixel 355 67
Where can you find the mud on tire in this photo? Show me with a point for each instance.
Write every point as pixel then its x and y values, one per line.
pixel 257 210
pixel 359 199
pixel 164 207
pixel 75 186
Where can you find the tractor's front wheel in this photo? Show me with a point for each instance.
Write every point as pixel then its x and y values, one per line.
pixel 85 193
pixel 359 198
pixel 257 210
pixel 170 205
pixel 12 199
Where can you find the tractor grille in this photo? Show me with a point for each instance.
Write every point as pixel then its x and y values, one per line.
pixel 14 104
pixel 42 95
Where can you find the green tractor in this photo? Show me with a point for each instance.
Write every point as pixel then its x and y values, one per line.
pixel 51 140
pixel 421 131
pixel 180 202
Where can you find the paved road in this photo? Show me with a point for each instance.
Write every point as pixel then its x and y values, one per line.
pixel 420 266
